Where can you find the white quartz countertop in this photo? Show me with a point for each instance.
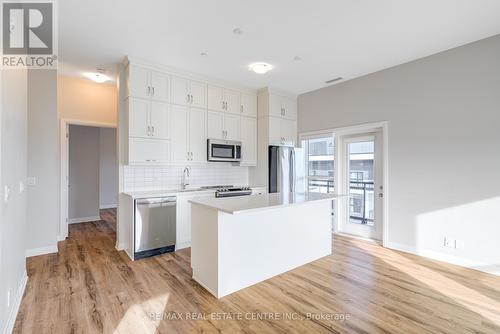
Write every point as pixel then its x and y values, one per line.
pixel 242 204
pixel 175 192
pixel 163 193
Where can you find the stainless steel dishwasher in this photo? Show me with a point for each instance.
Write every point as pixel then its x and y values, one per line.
pixel 154 226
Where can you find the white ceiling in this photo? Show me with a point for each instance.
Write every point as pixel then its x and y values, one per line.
pixel 346 38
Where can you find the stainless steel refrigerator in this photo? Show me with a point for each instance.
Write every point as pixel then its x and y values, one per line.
pixel 286 169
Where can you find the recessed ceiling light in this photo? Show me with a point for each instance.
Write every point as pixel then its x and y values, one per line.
pixel 297 58
pixel 98 76
pixel 237 31
pixel 261 68
pixel 333 80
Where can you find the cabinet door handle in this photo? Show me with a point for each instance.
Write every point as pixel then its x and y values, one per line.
pixel 152 130
pixel 149 90
pixel 241 108
pixel 191 98
pixel 148 131
pixel 187 98
pixel 284 109
pixel 153 91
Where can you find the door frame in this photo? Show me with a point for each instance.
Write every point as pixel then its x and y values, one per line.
pixel 64 202
pixel 358 129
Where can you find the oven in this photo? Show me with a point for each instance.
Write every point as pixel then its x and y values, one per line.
pixel 223 150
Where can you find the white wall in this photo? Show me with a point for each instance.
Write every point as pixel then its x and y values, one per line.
pixel 13 157
pixel 108 168
pixel 43 162
pixel 83 172
pixel 443 114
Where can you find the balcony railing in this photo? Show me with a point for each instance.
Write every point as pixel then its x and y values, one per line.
pixel 361 200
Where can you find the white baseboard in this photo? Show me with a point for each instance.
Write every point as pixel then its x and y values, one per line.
pixel 83 220
pixel 108 206
pixel 487 268
pixel 182 245
pixel 42 250
pixel 11 320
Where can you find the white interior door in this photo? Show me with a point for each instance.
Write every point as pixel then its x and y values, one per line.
pixel 362 181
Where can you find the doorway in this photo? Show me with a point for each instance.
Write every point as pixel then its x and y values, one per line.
pixel 89 174
pixel 363 182
pixel 351 161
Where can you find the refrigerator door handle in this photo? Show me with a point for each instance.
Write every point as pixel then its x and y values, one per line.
pixel 292 171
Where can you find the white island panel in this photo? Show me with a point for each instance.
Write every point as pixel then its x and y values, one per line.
pixel 232 251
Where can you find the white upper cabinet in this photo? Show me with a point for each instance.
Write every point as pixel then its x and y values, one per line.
pixel 160 86
pixel 180 91
pixel 138 82
pixel 280 106
pixel 188 134
pixel 282 131
pixel 248 141
pixel 198 91
pixel 147 151
pixel 170 116
pixel 215 96
pixel 289 108
pixel 179 125
pixel 215 125
pixel 223 125
pixel 288 129
pixel 189 92
pixel 138 118
pixel 232 99
pixel 232 126
pixel 197 135
pixel 147 84
pixel 159 120
pixel 248 105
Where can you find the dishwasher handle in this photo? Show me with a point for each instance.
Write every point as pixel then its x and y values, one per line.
pixel 161 200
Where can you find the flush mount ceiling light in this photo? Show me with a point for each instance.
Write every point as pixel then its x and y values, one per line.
pixel 260 68
pixel 204 54
pixel 237 31
pixel 98 76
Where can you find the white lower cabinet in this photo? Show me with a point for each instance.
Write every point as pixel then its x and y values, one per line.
pixel 153 151
pixel 248 141
pixel 183 227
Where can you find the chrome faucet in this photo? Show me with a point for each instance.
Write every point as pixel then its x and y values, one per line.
pixel 185 177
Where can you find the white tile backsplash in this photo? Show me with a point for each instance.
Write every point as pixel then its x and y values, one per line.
pixel 145 178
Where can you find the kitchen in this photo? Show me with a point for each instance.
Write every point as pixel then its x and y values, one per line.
pixel 211 143
pixel 289 167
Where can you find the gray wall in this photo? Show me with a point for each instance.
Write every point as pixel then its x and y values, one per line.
pixel 43 160
pixel 108 170
pixel 13 169
pixel 83 172
pixel 443 114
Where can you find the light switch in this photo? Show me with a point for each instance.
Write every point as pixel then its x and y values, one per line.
pixel 21 187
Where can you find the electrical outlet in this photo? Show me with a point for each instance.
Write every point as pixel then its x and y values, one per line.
pixel 448 242
pixel 31 181
pixel 6 194
pixel 459 244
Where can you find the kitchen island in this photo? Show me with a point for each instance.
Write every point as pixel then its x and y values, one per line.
pixel 239 241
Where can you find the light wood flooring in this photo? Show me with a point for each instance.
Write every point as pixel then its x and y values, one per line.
pixel 89 287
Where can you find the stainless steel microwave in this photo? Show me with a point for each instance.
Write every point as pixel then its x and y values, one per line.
pixel 223 150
